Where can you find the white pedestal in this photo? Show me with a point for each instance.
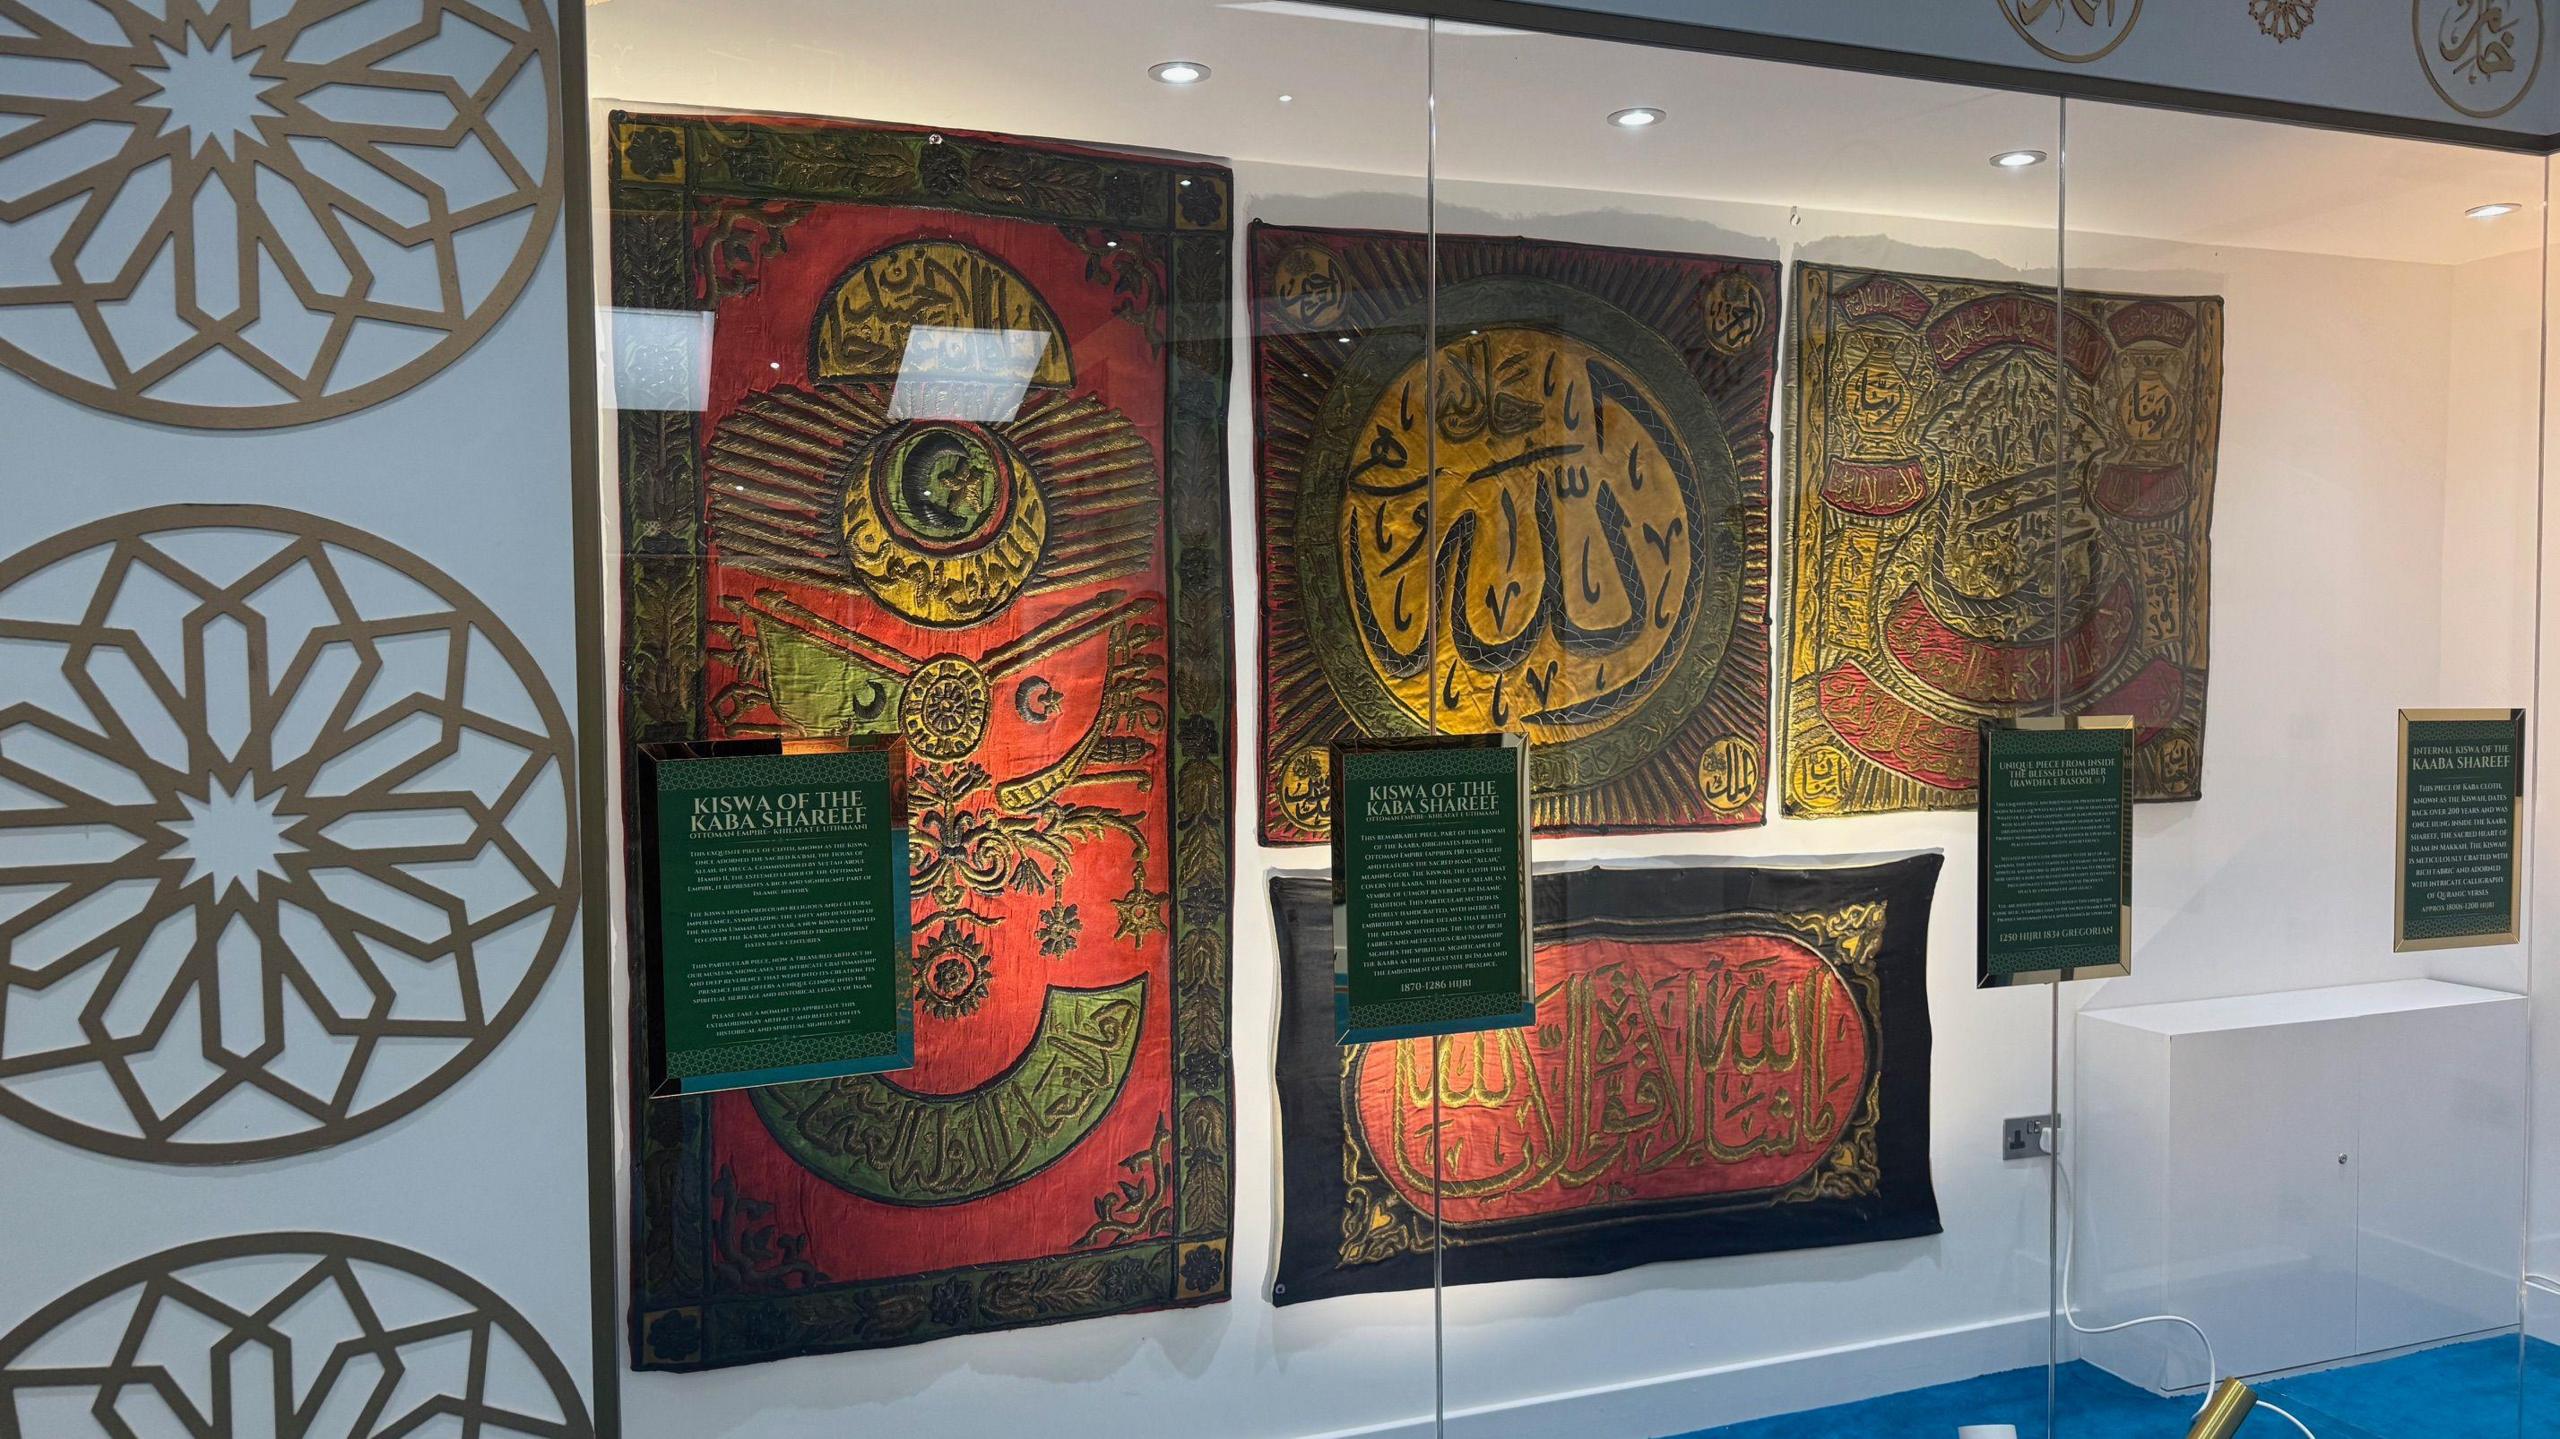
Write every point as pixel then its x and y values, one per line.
pixel 2311 1176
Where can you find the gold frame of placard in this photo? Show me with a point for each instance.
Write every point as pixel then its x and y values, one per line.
pixel 2516 877
pixel 2123 965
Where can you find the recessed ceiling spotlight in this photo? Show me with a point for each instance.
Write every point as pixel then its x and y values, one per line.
pixel 1285 99
pixel 2496 211
pixel 1179 72
pixel 2018 159
pixel 1635 119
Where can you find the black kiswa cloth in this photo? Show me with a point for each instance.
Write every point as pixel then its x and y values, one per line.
pixel 1727 1060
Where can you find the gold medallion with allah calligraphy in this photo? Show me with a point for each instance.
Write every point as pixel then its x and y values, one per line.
pixel 1551 520
pixel 1982 533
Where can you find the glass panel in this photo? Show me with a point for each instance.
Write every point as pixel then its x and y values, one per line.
pixel 1703 469
pixel 936 417
pixel 2542 1249
pixel 1748 437
pixel 2287 1129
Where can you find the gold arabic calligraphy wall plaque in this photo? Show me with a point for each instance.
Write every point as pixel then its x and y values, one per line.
pixel 2072 31
pixel 2482 56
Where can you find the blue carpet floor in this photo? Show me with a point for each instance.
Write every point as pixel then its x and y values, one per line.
pixel 2462 1391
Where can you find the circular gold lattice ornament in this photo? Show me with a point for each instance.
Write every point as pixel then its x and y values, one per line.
pixel 287 840
pixel 257 1333
pixel 239 215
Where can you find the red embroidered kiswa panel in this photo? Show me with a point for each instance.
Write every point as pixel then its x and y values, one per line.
pixel 1554 522
pixel 959 476
pixel 1981 532
pixel 1727 1060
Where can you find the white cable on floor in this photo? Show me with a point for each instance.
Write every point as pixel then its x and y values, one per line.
pixel 2070 1316
pixel 2288 1418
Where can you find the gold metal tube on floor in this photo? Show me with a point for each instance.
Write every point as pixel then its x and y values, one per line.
pixel 2231 1403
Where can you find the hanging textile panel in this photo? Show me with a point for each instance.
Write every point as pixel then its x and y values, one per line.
pixel 1727 1060
pixel 957 472
pixel 1981 533
pixel 1557 525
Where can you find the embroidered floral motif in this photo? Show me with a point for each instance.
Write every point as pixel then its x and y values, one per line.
pixel 1061 929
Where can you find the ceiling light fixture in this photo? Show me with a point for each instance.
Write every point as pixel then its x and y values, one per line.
pixel 1285 99
pixel 2497 211
pixel 1635 119
pixel 2018 159
pixel 1179 72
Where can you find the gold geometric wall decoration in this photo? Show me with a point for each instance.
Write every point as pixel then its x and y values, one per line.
pixel 238 214
pixel 2282 20
pixel 287 840
pixel 285 1334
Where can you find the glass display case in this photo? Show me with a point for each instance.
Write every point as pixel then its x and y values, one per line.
pixel 1123 412
pixel 2302 1123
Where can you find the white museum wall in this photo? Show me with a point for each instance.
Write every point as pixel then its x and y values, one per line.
pixel 2492 519
pixel 2492 459
pixel 2338 559
pixel 2329 531
pixel 469 471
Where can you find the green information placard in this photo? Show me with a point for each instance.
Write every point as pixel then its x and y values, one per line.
pixel 2057 850
pixel 778 918
pixel 1431 887
pixel 2461 828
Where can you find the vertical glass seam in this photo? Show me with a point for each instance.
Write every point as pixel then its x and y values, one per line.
pixel 1431 645
pixel 2056 1299
pixel 2526 880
